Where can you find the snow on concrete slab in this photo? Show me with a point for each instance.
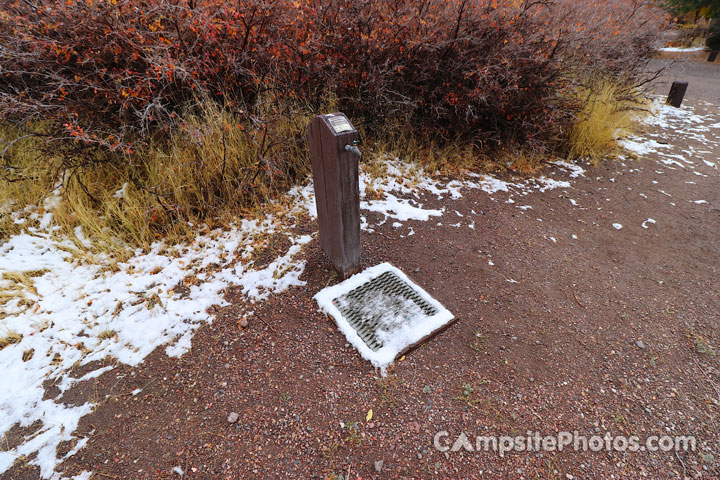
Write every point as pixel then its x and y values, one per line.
pixel 399 321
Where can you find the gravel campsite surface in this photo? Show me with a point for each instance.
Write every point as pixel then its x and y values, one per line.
pixel 575 313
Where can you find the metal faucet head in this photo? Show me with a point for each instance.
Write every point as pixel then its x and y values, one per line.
pixel 353 148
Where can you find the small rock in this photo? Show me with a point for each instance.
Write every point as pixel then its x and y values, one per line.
pixel 243 322
pixel 419 455
pixel 414 427
pixel 378 466
pixel 639 344
pixel 233 417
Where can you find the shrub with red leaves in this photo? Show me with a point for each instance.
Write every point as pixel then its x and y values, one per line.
pixel 112 71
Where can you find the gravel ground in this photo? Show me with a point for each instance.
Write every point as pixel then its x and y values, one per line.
pixel 576 325
pixel 703 78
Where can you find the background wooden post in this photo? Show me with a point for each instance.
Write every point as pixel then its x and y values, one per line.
pixel 677 92
pixel 337 190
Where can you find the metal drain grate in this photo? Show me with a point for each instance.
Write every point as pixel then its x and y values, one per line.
pixel 384 303
pixel 382 313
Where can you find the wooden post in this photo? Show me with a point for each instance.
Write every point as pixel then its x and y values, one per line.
pixel 337 190
pixel 713 55
pixel 677 93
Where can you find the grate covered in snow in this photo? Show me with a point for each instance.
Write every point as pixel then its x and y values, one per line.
pixel 367 307
pixel 382 313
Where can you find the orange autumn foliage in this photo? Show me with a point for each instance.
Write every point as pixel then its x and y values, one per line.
pixel 111 72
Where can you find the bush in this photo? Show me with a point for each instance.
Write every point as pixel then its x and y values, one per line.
pixel 111 72
pixel 128 83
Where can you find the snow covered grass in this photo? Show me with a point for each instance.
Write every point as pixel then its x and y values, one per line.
pixel 396 190
pixel 207 170
pixel 61 313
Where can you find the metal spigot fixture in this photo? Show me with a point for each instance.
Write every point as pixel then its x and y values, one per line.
pixel 354 148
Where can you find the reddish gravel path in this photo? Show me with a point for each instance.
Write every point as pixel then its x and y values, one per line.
pixel 613 331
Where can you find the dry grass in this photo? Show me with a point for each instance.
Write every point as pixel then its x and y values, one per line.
pixel 28 355
pixel 10 338
pixel 106 334
pixel 14 288
pixel 521 161
pixel 689 34
pixel 222 165
pixel 219 166
pixel 17 283
pixel 609 112
pixel 23 279
pixel 449 158
pixel 107 222
pixel 25 177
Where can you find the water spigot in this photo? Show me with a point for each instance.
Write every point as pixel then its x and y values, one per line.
pixel 354 148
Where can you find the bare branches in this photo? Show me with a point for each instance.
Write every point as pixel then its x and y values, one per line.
pixel 114 74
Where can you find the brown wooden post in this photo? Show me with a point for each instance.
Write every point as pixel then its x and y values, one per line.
pixel 337 190
pixel 713 55
pixel 677 93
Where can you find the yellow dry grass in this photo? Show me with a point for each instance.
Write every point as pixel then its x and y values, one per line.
pixel 221 165
pixel 216 168
pixel 10 338
pixel 25 177
pixel 450 158
pixel 608 113
pixel 15 287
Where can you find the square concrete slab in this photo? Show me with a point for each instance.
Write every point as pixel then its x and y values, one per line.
pixel 383 313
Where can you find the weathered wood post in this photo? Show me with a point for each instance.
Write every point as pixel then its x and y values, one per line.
pixel 713 55
pixel 677 93
pixel 334 153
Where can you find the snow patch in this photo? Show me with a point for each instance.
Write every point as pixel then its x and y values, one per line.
pixel 82 312
pixel 681 49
